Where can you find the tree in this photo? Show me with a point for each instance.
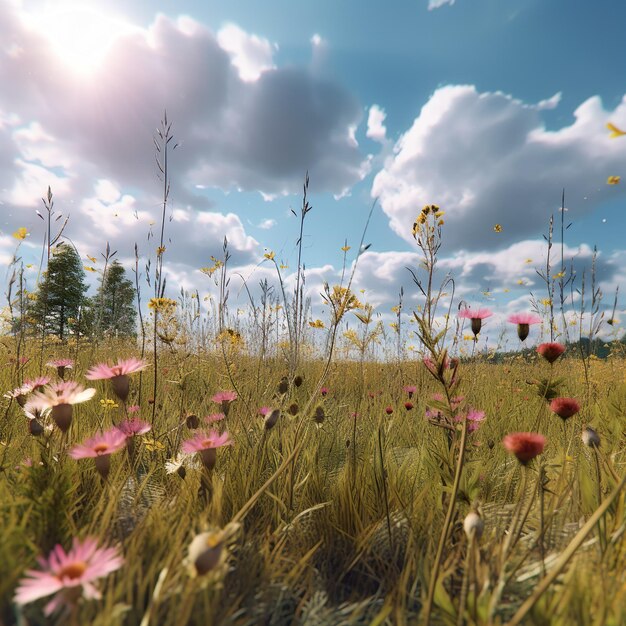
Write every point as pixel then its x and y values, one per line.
pixel 116 303
pixel 61 293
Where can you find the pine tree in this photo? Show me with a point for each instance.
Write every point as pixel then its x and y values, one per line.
pixel 116 303
pixel 61 293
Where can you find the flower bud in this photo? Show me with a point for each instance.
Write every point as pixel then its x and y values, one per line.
pixel 473 524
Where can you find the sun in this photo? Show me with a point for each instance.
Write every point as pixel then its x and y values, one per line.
pixel 79 36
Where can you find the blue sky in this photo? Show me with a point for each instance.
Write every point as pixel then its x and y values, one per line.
pixel 487 108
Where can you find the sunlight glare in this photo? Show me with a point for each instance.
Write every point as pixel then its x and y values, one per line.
pixel 80 36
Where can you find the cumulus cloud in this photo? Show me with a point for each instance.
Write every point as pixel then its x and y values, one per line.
pixel 436 4
pixel 376 129
pixel 251 54
pixel 487 158
pixel 267 224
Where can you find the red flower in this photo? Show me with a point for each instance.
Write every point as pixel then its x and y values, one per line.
pixel 525 446
pixel 564 407
pixel 389 410
pixel 551 351
pixel 408 406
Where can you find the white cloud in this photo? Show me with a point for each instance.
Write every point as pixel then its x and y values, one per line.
pixel 436 4
pixel 486 158
pixel 267 224
pixel 251 54
pixel 376 129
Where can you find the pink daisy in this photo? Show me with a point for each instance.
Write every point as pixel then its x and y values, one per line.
pixel 36 384
pixel 61 365
pixel 523 321
pixel 205 444
pixel 224 398
pixel 409 390
pixel 134 427
pixel 117 374
pixel 100 448
pixel 64 573
pixel 476 316
pixel 59 398
pixel 324 391
pixel 214 417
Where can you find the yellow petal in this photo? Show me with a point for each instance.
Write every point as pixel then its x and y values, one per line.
pixel 20 233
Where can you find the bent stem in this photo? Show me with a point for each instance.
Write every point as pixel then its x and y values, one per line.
pixel 446 526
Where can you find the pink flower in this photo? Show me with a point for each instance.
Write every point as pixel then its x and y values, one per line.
pixel 117 374
pixel 61 365
pixel 134 408
pixel 474 418
pixel 264 410
pixel 324 391
pixel 36 384
pixel 224 398
pixel 64 573
pixel 564 407
pixel 476 316
pixel 214 417
pixel 523 321
pixel 551 351
pixel 59 398
pixel 100 448
pixel 410 390
pixel 134 427
pixel 408 405
pixel 525 446
pixel 206 444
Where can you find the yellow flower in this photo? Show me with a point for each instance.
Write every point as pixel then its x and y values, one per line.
pixel 506 290
pixel 160 250
pixel 394 325
pixel 528 261
pixel 153 445
pixel 497 228
pixel 316 324
pixel 92 259
pixel 20 233
pixel 395 309
pixel 345 248
pixel 160 304
pixel 615 131
pixel 468 337
pixel 520 281
pixel 613 180
pixel 88 268
pixel 270 255
pixel 283 267
pixel 546 302
pixel 559 275
pixel 108 404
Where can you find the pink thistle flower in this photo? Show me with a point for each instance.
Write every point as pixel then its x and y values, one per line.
pixel 224 398
pixel 65 573
pixel 525 446
pixel 408 405
pixel 37 384
pixel 59 398
pixel 214 417
pixel 134 427
pixel 324 391
pixel 476 316
pixel 474 418
pixel 389 410
pixel 100 448
pixel 20 394
pixel 117 374
pixel 61 365
pixel 564 407
pixel 409 390
pixel 551 351
pixel 523 321
pixel 264 410
pixel 206 444
pixel 134 408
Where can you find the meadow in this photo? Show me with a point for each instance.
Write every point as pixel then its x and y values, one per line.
pixel 246 479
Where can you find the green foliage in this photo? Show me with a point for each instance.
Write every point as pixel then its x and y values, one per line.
pixel 56 309
pixel 115 304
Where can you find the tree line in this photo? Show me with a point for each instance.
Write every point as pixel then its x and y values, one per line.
pixel 60 305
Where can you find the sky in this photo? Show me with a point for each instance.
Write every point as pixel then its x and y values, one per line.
pixel 487 108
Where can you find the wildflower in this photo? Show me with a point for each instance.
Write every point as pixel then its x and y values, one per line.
pixel 473 525
pixel 36 384
pixel 316 324
pixel 61 365
pixel 324 391
pixel 497 228
pixel 474 418
pixel 153 445
pixel 613 180
pixel 283 386
pixel 214 417
pixel 20 394
pixel 271 418
pixel 297 381
pixel 66 573
pixel 224 398
pixel 269 255
pixel 525 446
pixel 564 407
pixel 100 448
pixel 205 444
pixel 107 403
pixel 293 409
pixel 133 408
pixel 134 427
pixel 476 317
pixel 408 405
pixel 162 304
pixel 205 552
pixel 615 131
pixel 590 437
pixel 21 233
pixel 389 410
pixel 180 463
pixel 117 374
pixel 409 390
pixel 264 410
pixel 551 351
pixel 523 321
pixel 59 398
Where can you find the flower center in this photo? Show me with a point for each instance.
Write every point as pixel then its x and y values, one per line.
pixel 100 448
pixel 72 570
